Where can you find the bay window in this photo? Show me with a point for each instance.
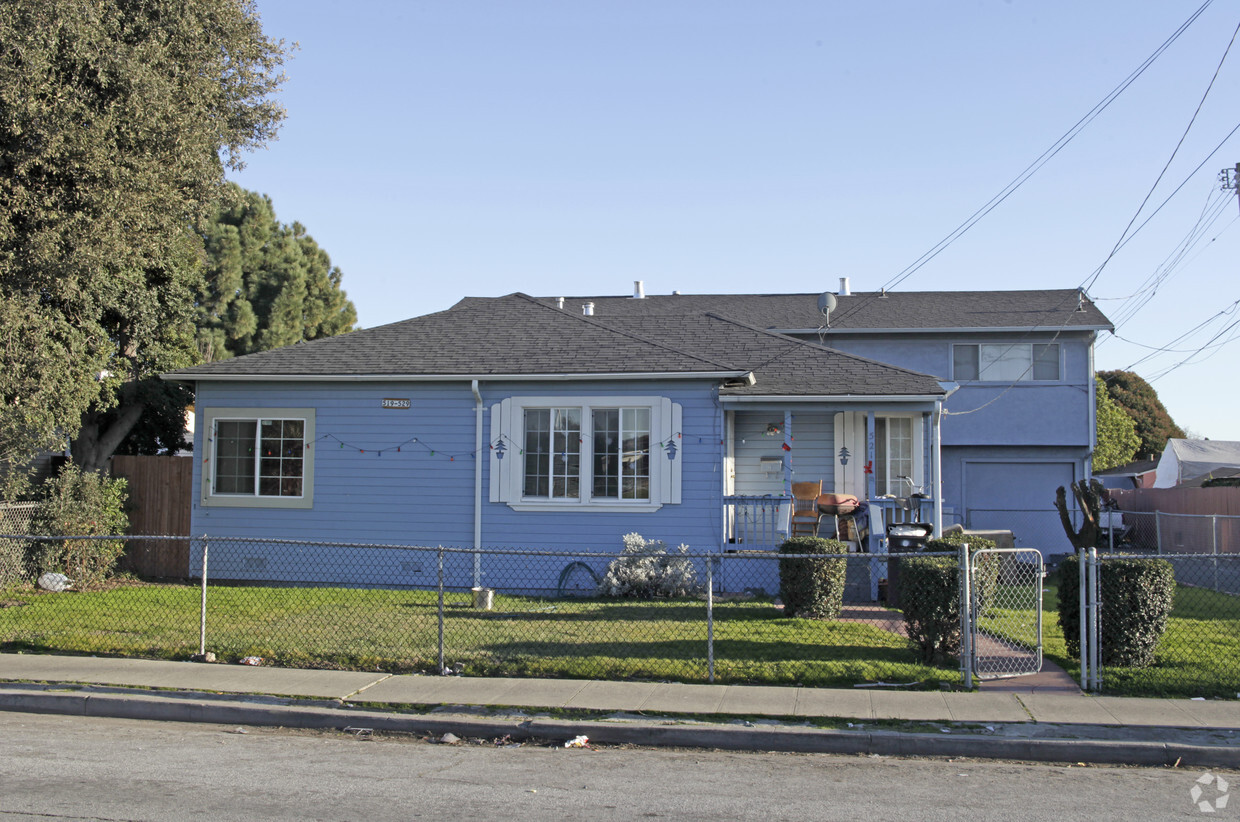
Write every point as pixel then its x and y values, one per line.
pixel 600 453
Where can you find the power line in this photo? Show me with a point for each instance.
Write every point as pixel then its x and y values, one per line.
pixel 1120 242
pixel 1036 165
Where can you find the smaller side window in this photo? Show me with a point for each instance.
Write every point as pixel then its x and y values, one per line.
pixel 1046 361
pixel 964 362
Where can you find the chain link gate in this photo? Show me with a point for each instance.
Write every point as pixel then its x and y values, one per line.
pixel 1005 612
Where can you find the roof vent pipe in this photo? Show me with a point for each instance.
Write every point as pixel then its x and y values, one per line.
pixel 559 303
pixel 844 292
pixel 588 309
pixel 639 290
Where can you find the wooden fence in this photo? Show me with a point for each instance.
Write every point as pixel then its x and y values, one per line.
pixel 1173 520
pixel 160 490
pixel 1225 502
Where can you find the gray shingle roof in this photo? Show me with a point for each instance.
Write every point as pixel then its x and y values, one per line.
pixel 517 335
pixel 782 366
pixel 868 311
pixel 507 335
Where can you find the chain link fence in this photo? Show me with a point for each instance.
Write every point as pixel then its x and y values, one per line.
pixel 1158 532
pixel 691 617
pixel 1008 639
pixel 14 519
pixel 1190 649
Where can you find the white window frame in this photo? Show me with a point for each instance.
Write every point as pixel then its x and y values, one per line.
pixel 507 472
pixel 1027 375
pixel 212 415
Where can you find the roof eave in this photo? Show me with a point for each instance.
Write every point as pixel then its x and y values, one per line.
pixel 176 376
pixel 836 398
pixel 946 329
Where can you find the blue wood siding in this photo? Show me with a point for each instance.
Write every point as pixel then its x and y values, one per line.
pixel 367 491
pixel 696 521
pixel 1027 413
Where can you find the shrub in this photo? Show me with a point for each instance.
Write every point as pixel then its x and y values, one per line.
pixel 812 588
pixel 646 570
pixel 931 604
pixel 985 582
pixel 75 503
pixel 1137 595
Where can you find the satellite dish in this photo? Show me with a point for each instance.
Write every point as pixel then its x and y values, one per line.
pixel 827 304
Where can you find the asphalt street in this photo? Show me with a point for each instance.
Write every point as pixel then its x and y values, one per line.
pixel 66 767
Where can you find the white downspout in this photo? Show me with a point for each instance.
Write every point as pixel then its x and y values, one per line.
pixel 473 385
pixel 936 466
pixel 936 455
pixel 1093 412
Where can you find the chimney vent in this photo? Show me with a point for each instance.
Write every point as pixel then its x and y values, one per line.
pixel 588 309
pixel 844 292
pixel 639 290
pixel 559 303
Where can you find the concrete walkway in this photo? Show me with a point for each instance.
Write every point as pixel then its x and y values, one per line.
pixel 75 684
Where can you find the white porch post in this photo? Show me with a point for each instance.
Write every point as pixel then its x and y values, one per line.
pixel 936 466
pixel 871 489
pixel 788 457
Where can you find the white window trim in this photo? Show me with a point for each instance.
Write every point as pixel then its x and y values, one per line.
pixel 850 433
pixel 1026 378
pixel 507 473
pixel 209 417
pixel 918 446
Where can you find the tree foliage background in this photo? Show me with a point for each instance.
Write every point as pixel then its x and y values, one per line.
pixel 117 121
pixel 1140 402
pixel 268 284
pixel 1117 440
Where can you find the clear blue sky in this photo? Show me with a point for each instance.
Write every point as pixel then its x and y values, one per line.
pixel 445 149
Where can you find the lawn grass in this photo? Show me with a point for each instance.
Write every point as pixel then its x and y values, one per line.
pixel 1199 655
pixel 397 631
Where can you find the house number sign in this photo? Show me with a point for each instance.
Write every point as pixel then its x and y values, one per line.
pixel 396 403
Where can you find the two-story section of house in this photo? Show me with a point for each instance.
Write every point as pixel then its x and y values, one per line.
pixel 1018 424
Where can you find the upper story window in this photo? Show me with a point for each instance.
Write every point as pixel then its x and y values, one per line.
pixel 599 453
pixel 258 457
pixel 1006 362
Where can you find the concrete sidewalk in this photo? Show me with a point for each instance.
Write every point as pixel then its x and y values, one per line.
pixel 1119 729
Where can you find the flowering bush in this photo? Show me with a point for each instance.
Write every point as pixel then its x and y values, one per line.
pixel 646 570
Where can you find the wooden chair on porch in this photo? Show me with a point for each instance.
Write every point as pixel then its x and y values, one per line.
pixel 805 514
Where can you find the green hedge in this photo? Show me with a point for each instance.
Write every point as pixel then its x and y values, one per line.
pixel 986 581
pixel 930 600
pixel 930 594
pixel 813 588
pixel 1137 595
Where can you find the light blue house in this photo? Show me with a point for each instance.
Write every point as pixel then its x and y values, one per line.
pixel 1018 424
pixel 516 422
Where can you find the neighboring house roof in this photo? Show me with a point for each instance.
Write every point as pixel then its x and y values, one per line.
pixel 1218 473
pixel 1186 459
pixel 519 337
pixel 1052 309
pixel 1132 469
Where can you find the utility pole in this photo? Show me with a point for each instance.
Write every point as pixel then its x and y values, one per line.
pixel 1230 178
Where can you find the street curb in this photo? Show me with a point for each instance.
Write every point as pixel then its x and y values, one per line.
pixel 669 733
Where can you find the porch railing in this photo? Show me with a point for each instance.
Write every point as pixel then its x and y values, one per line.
pixel 755 522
